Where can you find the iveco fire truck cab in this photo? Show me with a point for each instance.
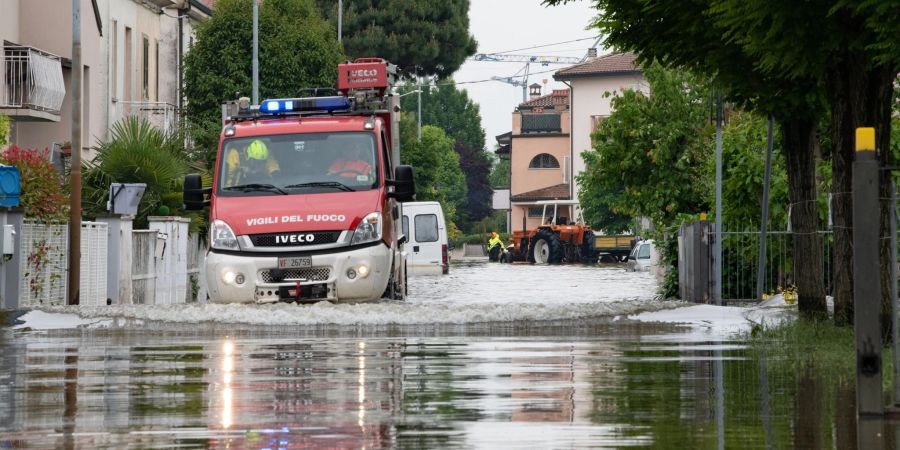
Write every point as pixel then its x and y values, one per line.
pixel 304 204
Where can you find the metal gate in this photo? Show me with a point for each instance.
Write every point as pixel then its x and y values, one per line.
pixel 143 267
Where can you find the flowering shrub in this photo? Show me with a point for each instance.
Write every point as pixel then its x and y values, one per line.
pixel 43 196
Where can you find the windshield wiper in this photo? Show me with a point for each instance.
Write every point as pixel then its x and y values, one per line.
pixel 257 187
pixel 334 184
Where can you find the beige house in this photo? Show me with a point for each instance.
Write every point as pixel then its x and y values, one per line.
pixel 593 84
pixel 131 52
pixel 539 152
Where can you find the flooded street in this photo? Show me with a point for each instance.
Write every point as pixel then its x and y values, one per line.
pixel 489 357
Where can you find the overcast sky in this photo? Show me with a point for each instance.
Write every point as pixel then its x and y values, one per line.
pixel 502 25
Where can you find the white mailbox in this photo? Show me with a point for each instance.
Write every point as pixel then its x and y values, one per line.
pixel 9 239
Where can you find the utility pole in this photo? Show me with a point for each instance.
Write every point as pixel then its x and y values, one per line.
pixel 867 275
pixel 74 280
pixel 419 115
pixel 764 221
pixel 717 243
pixel 255 52
pixel 340 18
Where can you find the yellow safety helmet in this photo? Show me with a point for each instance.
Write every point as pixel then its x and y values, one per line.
pixel 257 150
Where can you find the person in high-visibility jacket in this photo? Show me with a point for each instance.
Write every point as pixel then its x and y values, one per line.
pixel 495 247
pixel 253 165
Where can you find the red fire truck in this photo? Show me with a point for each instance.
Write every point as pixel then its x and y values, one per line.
pixel 305 202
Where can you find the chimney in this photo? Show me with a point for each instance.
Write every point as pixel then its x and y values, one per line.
pixel 534 91
pixel 592 52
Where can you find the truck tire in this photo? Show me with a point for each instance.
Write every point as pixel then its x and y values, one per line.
pixel 394 290
pixel 546 248
pixel 588 249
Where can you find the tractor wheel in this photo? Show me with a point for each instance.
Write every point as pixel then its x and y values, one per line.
pixel 546 248
pixel 588 251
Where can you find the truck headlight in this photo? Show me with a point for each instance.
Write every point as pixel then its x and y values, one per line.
pixel 368 230
pixel 222 237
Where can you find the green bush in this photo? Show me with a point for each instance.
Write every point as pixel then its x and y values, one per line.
pixel 43 196
pixel 137 153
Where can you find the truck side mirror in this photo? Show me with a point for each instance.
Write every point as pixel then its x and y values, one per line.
pixel 404 185
pixel 194 193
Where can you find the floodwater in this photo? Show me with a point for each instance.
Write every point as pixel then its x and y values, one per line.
pixel 564 382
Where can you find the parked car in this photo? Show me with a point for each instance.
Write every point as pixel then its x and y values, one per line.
pixel 427 240
pixel 644 257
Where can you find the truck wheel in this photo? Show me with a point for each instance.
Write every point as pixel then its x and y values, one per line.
pixel 546 248
pixel 588 250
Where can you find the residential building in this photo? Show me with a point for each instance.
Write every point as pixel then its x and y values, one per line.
pixel 539 152
pixel 131 52
pixel 592 86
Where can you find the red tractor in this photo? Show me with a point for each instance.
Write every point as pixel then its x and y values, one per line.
pixel 556 240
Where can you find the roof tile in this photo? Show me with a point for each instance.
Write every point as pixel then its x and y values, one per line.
pixel 557 192
pixel 606 64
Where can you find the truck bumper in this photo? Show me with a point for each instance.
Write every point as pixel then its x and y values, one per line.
pixel 328 277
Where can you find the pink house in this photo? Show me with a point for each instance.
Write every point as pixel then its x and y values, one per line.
pixel 539 151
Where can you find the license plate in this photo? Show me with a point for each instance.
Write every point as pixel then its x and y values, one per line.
pixel 296 262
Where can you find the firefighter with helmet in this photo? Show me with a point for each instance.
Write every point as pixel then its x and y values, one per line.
pixel 252 165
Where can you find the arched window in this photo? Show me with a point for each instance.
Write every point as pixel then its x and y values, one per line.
pixel 543 161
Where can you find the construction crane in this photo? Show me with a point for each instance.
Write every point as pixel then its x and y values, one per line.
pixel 543 60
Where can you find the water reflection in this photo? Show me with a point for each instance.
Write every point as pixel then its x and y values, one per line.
pixel 195 389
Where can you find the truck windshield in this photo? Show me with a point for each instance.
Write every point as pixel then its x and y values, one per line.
pixel 298 163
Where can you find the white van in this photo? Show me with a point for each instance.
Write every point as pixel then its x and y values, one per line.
pixel 426 243
pixel 643 257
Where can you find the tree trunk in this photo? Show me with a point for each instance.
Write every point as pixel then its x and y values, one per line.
pixel 861 96
pixel 799 139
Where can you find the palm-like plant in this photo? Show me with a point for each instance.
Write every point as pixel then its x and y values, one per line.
pixel 136 153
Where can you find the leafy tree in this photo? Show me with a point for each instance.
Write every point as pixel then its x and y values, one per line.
pixel 451 109
pixel 419 36
pixel 437 172
pixel 4 129
pixel 648 154
pixel 297 49
pixel 42 195
pixel 499 172
pixel 137 152
pixel 689 35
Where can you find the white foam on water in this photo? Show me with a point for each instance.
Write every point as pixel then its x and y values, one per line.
pixel 711 322
pixel 473 293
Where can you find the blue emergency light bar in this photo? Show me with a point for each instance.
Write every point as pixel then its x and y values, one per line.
pixel 291 105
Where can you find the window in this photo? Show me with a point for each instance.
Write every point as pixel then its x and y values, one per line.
pixel 595 122
pixel 426 228
pixel 156 73
pixel 535 211
pixel 406 227
pixel 543 161
pixel 129 60
pixel 145 70
pixel 114 60
pixel 644 252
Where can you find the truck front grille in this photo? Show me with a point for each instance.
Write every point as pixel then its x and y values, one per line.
pixel 297 239
pixel 308 273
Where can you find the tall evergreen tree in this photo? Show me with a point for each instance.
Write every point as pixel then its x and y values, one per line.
pixel 421 37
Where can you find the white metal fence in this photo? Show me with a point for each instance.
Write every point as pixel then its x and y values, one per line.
pixel 43 264
pixel 196 256
pixel 143 266
pixel 93 264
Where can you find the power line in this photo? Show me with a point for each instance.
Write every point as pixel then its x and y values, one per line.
pixel 484 81
pixel 545 45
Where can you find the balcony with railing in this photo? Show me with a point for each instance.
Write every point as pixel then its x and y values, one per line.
pixel 161 115
pixel 541 123
pixel 31 84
